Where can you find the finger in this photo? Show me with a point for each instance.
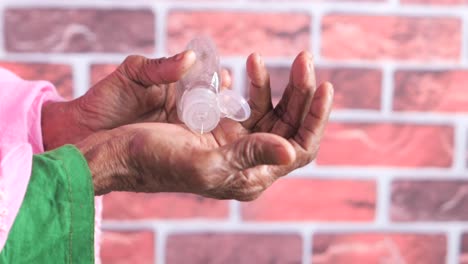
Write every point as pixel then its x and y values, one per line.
pixel 311 131
pixel 147 72
pixel 226 80
pixel 307 140
pixel 257 149
pixel 295 102
pixel 259 90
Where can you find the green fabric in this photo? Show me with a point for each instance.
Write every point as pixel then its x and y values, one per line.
pixel 56 221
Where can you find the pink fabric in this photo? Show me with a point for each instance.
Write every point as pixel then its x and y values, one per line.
pixel 20 137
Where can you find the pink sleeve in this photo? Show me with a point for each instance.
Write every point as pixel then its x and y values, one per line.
pixel 20 137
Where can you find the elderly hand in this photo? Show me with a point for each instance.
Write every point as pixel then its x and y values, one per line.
pixel 234 161
pixel 140 90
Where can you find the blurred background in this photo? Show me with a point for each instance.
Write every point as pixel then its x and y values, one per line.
pixel 390 183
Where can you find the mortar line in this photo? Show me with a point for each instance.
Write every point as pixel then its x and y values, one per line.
pixel 81 78
pixel 198 226
pixel 453 246
pixel 160 247
pixel 338 172
pixel 234 211
pixel 306 246
pixel 161 12
pixel 279 61
pixel 316 34
pixel 239 77
pixel 464 40
pixel 460 145
pixel 416 118
pixel 383 197
pixel 394 3
pixel 387 89
pixel 259 6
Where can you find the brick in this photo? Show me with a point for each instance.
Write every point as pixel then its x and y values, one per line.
pixel 387 144
pixel 79 30
pixel 100 71
pixel 58 74
pixel 314 200
pixel 358 248
pixel 161 206
pixel 431 91
pixel 127 247
pixel 364 37
pixel 464 249
pixel 429 200
pixel 274 34
pixel 435 2
pixel 355 88
pixel 231 248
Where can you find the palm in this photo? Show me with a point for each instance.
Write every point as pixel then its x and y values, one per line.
pixel 189 162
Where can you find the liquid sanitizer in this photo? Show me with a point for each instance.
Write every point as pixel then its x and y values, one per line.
pixel 200 101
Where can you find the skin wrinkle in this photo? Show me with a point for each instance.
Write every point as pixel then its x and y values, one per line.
pixel 161 77
pixel 87 104
pixel 94 155
pixel 266 123
pixel 136 147
pixel 221 170
pixel 135 67
pixel 151 113
pixel 220 140
pixel 120 171
pixel 236 187
pixel 248 155
pixel 256 115
pixel 311 131
pixel 87 112
pixel 283 128
pixel 286 116
pixel 169 103
pixel 137 95
pixel 317 118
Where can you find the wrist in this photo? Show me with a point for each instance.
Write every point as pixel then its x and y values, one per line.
pixel 107 156
pixel 60 126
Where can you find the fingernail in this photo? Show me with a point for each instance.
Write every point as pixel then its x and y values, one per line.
pixel 179 56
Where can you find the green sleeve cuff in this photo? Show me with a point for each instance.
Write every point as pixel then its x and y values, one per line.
pixel 55 223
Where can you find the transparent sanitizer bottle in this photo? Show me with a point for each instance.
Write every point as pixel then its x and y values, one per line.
pixel 200 101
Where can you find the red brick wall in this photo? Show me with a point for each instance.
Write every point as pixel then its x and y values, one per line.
pixel 390 184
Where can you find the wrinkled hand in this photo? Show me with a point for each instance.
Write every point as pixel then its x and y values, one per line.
pixel 139 90
pixel 234 161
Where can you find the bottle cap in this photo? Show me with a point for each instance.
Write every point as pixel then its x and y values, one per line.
pixel 233 105
pixel 200 111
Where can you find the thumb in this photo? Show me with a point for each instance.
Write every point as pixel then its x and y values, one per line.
pixel 258 149
pixel 147 72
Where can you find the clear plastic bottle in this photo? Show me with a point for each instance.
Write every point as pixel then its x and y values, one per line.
pixel 200 102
